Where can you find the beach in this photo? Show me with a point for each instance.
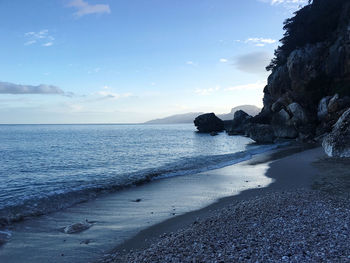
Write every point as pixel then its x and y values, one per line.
pixel 302 216
pixel 289 204
pixel 114 218
pixel 175 131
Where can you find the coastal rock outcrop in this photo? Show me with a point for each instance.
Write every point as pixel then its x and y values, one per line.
pixel 239 123
pixel 209 122
pixel 261 133
pixel 308 89
pixel 309 85
pixel 337 143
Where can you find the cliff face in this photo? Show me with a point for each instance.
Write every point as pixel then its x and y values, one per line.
pixel 312 63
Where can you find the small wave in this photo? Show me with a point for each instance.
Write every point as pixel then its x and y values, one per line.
pixel 61 199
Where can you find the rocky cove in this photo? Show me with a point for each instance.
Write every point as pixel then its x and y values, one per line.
pixel 307 96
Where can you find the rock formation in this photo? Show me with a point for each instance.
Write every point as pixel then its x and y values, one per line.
pixel 337 143
pixel 239 123
pixel 308 89
pixel 309 86
pixel 209 122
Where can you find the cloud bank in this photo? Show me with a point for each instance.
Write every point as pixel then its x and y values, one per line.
pixel 11 88
pixel 84 8
pixel 254 62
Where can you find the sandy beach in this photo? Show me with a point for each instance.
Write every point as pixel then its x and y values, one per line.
pixel 302 216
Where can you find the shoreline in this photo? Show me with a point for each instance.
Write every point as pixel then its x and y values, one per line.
pixel 56 202
pixel 303 178
pixel 118 217
pixel 303 218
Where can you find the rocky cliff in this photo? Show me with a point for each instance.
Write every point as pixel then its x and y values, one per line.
pixel 307 96
pixel 309 85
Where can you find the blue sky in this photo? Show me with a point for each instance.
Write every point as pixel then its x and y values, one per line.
pixel 119 61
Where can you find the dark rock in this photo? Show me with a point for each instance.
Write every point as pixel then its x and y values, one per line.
pixel 281 103
pixel 306 133
pixel 305 70
pixel 322 110
pixel 337 143
pixel 77 228
pixel 281 118
pixel 239 123
pixel 278 84
pixel 208 123
pixel 298 114
pixel 228 125
pixel 284 131
pixel 344 102
pixel 261 133
pixel 277 106
pixel 333 104
pixel 264 117
pixel 312 63
pixel 214 134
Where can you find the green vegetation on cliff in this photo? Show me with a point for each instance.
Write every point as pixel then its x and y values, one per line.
pixel 311 24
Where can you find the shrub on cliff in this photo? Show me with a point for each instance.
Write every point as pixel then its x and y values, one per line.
pixel 313 23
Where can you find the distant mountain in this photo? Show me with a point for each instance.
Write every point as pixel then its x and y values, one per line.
pixel 189 117
pixel 250 109
pixel 174 119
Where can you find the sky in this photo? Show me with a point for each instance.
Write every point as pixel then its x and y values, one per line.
pixel 129 61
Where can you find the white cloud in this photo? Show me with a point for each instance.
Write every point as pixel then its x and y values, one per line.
pixel 259 41
pixel 299 2
pixel 189 62
pixel 251 86
pixel 289 4
pixel 209 91
pixel 254 62
pixel 30 42
pixel 223 60
pixel 107 93
pixel 84 8
pixel 41 37
pixel 48 44
pixel 11 88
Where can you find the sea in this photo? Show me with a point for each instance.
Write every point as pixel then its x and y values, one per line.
pixel 45 168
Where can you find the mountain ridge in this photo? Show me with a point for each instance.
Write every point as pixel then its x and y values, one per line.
pixel 189 117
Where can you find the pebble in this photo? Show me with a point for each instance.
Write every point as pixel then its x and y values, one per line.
pixel 277 227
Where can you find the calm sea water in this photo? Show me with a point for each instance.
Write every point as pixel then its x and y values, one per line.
pixel 47 167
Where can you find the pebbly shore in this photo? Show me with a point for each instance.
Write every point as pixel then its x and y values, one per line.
pixel 298 226
pixel 307 224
